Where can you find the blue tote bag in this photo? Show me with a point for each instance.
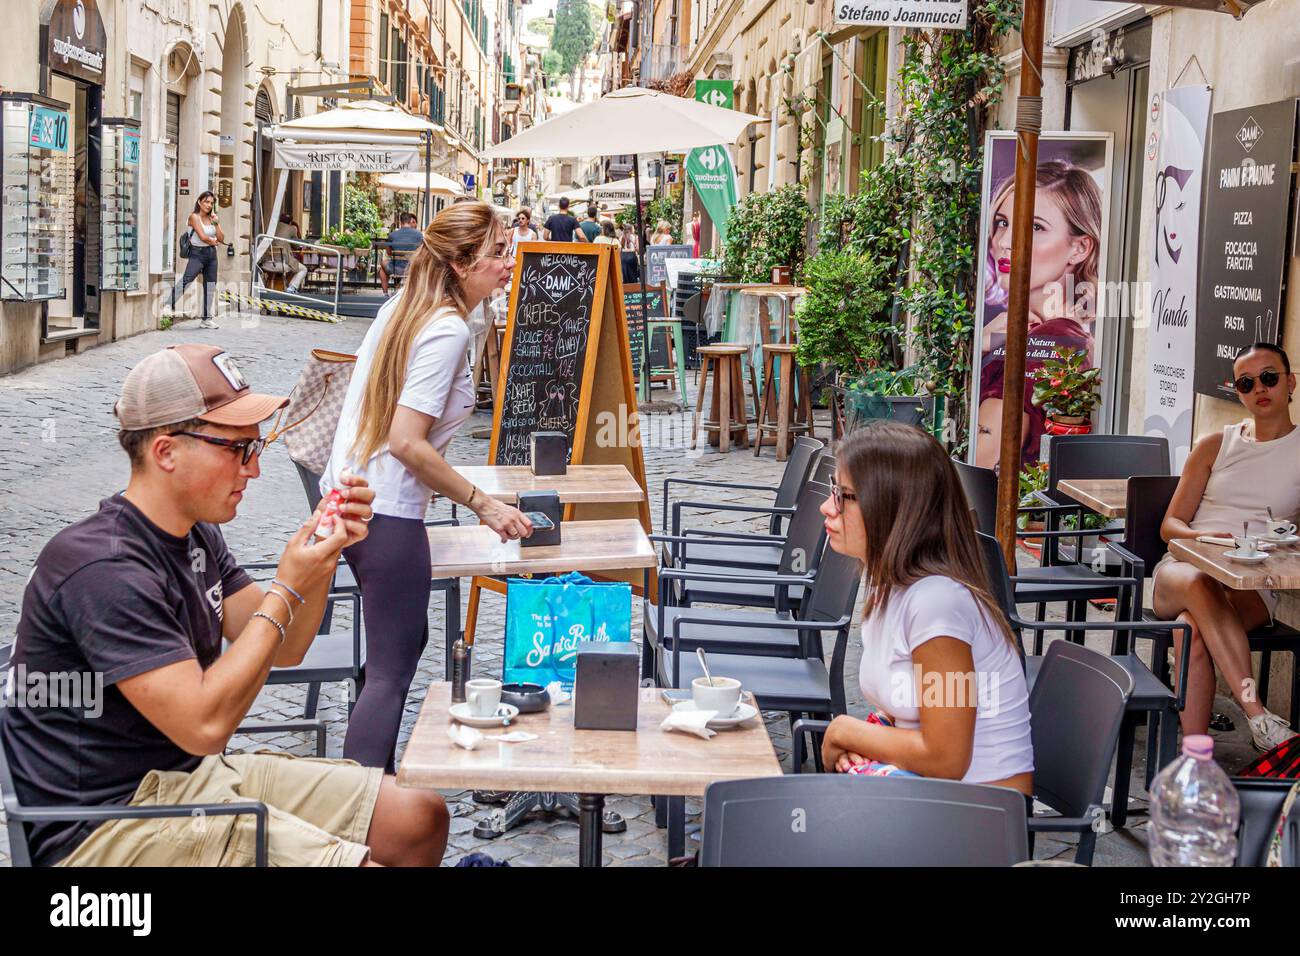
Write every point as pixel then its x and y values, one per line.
pixel 546 620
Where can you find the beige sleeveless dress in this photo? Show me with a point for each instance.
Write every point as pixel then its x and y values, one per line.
pixel 1246 479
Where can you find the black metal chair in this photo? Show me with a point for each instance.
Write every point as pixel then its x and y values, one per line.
pixel 1149 699
pixel 782 587
pixel 18 816
pixel 1261 806
pixel 1076 707
pixel 838 820
pixel 1147 502
pixel 785 494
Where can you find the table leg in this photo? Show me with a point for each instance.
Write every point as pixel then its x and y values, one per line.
pixel 679 361
pixel 590 807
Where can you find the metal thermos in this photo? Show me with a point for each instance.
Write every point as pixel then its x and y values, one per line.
pixel 459 670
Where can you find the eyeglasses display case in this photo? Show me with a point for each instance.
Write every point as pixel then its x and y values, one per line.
pixel 120 204
pixel 35 196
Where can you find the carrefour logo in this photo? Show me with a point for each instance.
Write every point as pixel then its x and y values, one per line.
pixel 711 158
pixel 715 98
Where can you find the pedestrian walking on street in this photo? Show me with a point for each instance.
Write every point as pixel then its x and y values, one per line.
pixel 591 225
pixel 695 234
pixel 523 230
pixel 205 235
pixel 607 234
pixel 663 235
pixel 411 390
pixel 561 226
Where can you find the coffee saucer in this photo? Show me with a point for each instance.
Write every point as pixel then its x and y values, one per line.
pixel 1288 539
pixel 1246 557
pixel 462 714
pixel 742 713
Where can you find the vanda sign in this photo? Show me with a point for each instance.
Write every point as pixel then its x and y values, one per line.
pixel 920 14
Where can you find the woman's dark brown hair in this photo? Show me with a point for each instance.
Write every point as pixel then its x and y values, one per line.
pixel 914 512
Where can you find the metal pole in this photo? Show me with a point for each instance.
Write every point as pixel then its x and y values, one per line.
pixel 428 161
pixel 645 279
pixel 1029 115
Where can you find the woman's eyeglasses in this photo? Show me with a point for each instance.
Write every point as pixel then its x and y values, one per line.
pixel 249 446
pixel 1246 383
pixel 839 496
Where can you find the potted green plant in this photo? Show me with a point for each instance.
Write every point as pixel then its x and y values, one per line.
pixel 1066 389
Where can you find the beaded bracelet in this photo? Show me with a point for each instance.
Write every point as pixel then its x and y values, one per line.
pixel 278 626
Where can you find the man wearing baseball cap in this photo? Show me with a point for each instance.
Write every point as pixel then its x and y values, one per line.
pixel 141 595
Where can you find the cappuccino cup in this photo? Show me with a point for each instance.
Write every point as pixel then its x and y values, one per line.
pixel 1281 529
pixel 1246 544
pixel 723 696
pixel 483 696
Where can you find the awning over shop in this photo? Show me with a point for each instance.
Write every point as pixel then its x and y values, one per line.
pixel 412 182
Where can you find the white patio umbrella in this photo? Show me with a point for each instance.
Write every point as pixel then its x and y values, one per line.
pixel 631 120
pixel 414 182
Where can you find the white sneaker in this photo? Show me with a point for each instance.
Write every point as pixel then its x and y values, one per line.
pixel 208 324
pixel 1268 730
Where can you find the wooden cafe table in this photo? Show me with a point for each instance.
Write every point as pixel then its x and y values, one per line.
pixel 1106 496
pixel 1280 571
pixel 581 484
pixel 594 763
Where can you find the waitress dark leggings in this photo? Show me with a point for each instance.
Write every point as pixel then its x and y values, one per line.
pixel 392 568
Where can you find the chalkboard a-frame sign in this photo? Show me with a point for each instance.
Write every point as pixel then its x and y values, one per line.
pixel 566 366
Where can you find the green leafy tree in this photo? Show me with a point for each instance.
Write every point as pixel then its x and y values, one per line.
pixel 574 39
pixel 542 26
pixel 553 65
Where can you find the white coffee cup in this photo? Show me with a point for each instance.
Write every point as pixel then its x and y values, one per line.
pixel 483 696
pixel 1281 529
pixel 1247 544
pixel 722 696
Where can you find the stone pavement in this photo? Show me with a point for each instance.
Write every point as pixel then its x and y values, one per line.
pixel 59 457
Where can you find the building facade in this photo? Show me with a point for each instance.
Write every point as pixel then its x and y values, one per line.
pixel 136 108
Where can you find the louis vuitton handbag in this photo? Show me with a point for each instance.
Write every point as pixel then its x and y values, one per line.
pixel 315 406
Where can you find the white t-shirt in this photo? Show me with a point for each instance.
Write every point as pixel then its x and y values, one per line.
pixel 941 607
pixel 438 384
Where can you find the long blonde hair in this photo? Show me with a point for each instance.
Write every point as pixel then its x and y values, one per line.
pixel 461 234
pixel 915 515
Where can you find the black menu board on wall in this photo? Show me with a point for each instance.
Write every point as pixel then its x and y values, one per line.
pixel 547 350
pixel 1243 241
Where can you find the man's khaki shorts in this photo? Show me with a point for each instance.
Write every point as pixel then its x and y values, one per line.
pixel 318 814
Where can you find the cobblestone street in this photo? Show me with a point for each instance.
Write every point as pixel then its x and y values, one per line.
pixel 59 457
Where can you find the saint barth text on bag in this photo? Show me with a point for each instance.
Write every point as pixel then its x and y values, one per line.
pixel 547 619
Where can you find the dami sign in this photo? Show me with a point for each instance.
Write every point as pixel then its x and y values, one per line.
pixel 922 14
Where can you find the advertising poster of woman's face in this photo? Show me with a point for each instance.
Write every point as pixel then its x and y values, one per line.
pixel 1065 275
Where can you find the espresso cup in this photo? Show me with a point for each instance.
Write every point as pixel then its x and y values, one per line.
pixel 483 696
pixel 723 696
pixel 1281 529
pixel 1246 544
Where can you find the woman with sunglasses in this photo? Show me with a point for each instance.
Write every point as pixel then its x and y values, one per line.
pixel 939 668
pixel 1231 477
pixel 410 392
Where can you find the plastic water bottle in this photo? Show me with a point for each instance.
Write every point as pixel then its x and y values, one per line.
pixel 1194 810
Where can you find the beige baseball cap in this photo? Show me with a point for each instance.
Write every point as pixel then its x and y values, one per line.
pixel 191 381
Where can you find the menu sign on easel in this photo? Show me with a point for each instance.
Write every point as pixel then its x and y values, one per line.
pixel 547 350
pixel 1243 250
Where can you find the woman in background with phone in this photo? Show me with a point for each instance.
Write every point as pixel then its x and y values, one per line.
pixel 410 392
pixel 205 235
pixel 1230 478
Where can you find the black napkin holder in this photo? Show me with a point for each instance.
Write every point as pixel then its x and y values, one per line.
pixel 548 503
pixel 606 687
pixel 550 453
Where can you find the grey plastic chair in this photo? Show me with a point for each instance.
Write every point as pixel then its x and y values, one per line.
pixel 18 816
pixel 1261 805
pixel 1076 707
pixel 841 820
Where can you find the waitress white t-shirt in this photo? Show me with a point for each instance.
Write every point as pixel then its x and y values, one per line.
pixel 933 607
pixel 438 383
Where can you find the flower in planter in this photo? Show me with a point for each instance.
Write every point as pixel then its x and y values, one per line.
pixel 1065 387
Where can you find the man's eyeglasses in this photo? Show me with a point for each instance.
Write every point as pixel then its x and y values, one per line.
pixel 839 496
pixel 248 446
pixel 1246 383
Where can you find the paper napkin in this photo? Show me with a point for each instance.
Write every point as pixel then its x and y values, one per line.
pixel 690 722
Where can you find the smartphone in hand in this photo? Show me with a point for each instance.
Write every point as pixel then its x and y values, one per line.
pixel 540 521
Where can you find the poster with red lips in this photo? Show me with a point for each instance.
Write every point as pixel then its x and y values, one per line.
pixel 1067 274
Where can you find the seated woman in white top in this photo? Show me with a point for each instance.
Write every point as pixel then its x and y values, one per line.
pixel 937 657
pixel 1232 476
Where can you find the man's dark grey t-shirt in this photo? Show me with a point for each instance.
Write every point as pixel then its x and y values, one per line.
pixel 562 227
pixel 112 595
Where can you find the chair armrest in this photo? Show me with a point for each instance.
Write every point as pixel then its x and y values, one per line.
pixel 1062 824
pixel 805 725
pixel 724 542
pixel 724 506
pixel 710 533
pixel 107 813
pixel 702 483
pixel 687 644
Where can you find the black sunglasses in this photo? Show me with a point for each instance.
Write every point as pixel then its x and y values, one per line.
pixel 249 446
pixel 1246 383
pixel 839 496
